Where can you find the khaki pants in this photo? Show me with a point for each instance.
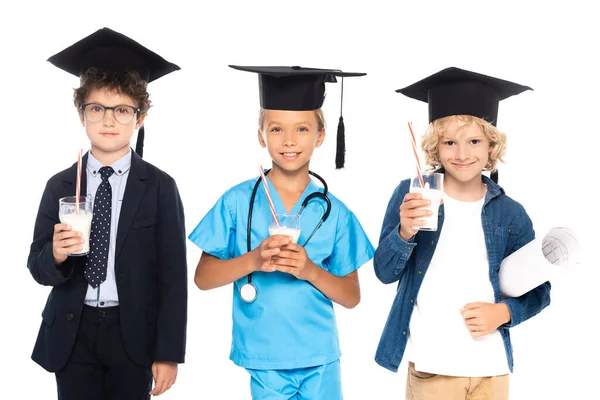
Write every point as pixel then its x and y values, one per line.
pixel 425 386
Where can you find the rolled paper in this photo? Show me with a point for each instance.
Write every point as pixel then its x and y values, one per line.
pixel 539 261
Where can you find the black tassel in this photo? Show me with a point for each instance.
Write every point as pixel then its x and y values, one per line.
pixel 340 154
pixel 494 176
pixel 139 146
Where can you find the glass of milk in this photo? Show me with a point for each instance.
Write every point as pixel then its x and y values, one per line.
pixel 289 225
pixel 432 190
pixel 79 216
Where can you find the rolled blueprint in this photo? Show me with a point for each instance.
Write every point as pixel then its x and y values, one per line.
pixel 538 261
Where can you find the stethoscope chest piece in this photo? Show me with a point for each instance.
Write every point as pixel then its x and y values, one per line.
pixel 248 292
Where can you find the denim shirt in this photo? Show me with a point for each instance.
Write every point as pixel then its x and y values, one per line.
pixel 506 227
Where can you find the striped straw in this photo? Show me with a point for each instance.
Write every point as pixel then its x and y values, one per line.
pixel 414 147
pixel 264 181
pixel 78 183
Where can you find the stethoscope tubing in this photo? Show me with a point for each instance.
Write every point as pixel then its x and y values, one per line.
pixel 249 286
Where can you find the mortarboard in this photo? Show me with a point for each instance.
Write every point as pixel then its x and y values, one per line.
pixel 455 91
pixel 112 51
pixel 299 89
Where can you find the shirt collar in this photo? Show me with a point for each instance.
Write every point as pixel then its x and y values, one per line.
pixel 121 166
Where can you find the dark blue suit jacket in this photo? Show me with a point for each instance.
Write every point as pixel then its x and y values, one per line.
pixel 150 269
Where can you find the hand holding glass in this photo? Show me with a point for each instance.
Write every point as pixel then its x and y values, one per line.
pixel 289 225
pixel 79 216
pixel 432 191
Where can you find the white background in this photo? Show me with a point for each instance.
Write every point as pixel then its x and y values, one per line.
pixel 202 131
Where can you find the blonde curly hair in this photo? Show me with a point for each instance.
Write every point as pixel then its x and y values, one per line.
pixel 437 128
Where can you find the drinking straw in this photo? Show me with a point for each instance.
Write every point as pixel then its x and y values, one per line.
pixel 264 181
pixel 78 183
pixel 414 147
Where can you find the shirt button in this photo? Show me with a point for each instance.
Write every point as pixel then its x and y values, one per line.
pixel 404 333
pixel 420 272
pixel 412 301
pixel 101 303
pixel 432 242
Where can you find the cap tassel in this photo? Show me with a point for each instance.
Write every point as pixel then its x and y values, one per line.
pixel 340 153
pixel 494 176
pixel 139 145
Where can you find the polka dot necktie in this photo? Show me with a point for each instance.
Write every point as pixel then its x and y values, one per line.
pixel 97 261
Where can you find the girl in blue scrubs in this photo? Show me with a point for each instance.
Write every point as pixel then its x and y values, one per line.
pixel 286 338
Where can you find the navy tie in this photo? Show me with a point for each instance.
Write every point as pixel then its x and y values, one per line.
pixel 97 261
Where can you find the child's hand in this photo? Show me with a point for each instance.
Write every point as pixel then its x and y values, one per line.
pixel 484 318
pixel 64 242
pixel 410 213
pixel 267 249
pixel 292 259
pixel 165 375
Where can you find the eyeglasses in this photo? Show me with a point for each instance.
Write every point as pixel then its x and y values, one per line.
pixel 123 113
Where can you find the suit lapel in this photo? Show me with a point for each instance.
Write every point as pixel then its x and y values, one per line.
pixel 134 192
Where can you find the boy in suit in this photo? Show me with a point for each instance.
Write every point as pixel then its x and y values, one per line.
pixel 116 317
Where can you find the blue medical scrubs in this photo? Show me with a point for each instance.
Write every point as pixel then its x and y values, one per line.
pixel 291 325
pixel 312 383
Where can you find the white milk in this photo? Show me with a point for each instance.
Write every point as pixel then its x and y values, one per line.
pixel 435 196
pixel 294 233
pixel 81 223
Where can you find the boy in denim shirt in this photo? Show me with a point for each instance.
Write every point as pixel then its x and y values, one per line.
pixel 448 313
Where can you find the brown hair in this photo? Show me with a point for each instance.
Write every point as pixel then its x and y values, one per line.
pixel 437 128
pixel 128 83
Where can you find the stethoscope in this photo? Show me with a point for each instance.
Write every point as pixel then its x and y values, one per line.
pixel 248 291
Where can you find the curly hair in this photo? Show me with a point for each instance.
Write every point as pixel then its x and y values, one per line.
pixel 319 114
pixel 128 83
pixel 437 128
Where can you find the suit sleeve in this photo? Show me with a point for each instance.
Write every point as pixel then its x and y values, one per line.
pixel 41 261
pixel 172 316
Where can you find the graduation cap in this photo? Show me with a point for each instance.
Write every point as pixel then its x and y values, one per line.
pixel 455 91
pixel 112 51
pixel 300 89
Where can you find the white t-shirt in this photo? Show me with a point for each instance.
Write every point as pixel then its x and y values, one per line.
pixel 439 341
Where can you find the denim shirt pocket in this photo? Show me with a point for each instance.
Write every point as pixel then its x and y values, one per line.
pixel 507 230
pixel 506 236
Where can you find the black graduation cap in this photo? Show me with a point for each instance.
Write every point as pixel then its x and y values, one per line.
pixel 300 89
pixel 112 51
pixel 455 91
